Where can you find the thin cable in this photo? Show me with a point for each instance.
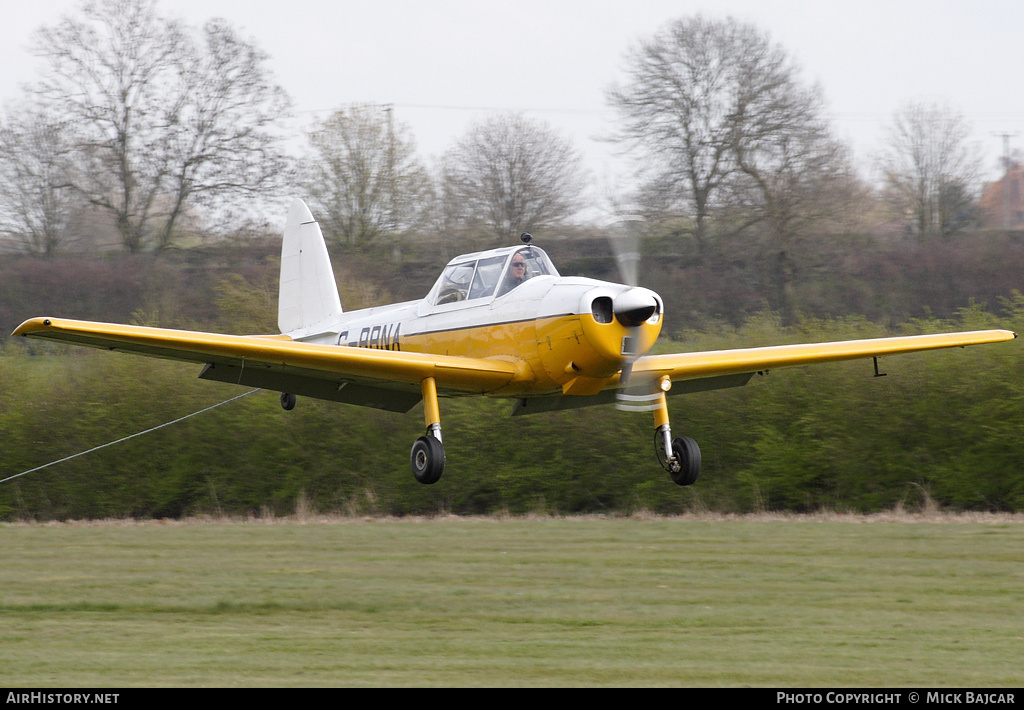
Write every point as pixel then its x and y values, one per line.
pixel 132 436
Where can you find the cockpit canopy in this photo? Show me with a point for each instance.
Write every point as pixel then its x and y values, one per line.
pixel 488 274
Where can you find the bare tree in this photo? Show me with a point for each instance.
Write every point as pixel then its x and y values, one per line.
pixel 930 167
pixel 512 174
pixel 364 176
pixel 699 96
pixel 36 196
pixel 789 187
pixel 790 179
pixel 168 116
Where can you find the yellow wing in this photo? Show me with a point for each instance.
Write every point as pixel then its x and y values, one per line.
pixel 720 363
pixel 385 379
pixel 391 379
pixel 721 369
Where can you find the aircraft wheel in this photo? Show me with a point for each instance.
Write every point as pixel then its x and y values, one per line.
pixel 687 455
pixel 288 401
pixel 427 460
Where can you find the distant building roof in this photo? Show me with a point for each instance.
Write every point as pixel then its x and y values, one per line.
pixel 1002 202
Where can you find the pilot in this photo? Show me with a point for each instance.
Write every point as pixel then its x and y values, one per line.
pixel 516 273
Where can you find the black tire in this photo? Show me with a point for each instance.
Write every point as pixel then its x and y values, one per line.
pixel 287 401
pixel 687 453
pixel 427 460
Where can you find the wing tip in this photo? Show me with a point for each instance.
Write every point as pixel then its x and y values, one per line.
pixel 32 325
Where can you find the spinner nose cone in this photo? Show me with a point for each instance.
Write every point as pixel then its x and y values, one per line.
pixel 635 306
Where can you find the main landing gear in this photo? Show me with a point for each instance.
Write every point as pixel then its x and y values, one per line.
pixel 427 455
pixel 680 456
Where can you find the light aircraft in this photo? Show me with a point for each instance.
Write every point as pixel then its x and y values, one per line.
pixel 500 323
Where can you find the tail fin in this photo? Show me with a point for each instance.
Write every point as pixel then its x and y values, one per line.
pixel 309 293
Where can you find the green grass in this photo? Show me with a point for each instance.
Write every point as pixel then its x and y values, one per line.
pixel 453 602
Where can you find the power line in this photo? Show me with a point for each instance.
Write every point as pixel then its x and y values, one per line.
pixel 455 107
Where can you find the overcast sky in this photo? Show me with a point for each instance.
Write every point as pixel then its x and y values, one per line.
pixel 443 64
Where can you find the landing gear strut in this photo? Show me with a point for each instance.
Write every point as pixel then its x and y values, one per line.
pixel 427 457
pixel 680 456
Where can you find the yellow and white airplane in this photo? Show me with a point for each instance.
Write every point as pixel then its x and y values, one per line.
pixel 500 323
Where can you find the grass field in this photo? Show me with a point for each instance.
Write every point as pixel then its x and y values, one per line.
pixel 826 601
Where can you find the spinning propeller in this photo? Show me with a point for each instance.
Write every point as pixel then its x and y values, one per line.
pixel 632 307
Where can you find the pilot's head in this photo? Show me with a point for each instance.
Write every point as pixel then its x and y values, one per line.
pixel 518 273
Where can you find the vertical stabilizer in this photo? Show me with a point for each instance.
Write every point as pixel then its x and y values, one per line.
pixel 309 293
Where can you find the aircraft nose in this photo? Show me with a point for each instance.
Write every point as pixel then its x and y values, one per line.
pixel 634 306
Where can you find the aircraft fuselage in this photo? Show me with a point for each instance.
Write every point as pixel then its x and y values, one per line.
pixel 552 328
